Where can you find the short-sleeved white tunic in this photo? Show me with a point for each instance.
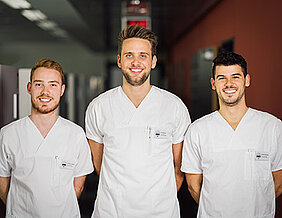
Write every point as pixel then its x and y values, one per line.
pixel 137 175
pixel 42 169
pixel 236 165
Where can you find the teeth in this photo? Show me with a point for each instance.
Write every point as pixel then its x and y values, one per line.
pixel 45 99
pixel 136 70
pixel 230 91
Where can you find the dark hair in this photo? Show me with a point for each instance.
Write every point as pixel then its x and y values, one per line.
pixel 50 64
pixel 138 32
pixel 227 58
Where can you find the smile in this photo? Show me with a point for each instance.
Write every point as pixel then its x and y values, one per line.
pixel 230 91
pixel 45 100
pixel 136 70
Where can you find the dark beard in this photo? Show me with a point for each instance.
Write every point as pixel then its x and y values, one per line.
pixel 135 83
pixel 233 102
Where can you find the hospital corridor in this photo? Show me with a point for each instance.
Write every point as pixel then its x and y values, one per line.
pixel 84 37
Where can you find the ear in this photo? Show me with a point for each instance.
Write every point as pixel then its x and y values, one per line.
pixel 118 61
pixel 212 83
pixel 247 80
pixel 63 89
pixel 154 61
pixel 28 87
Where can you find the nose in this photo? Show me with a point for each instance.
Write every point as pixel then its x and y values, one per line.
pixel 228 82
pixel 135 61
pixel 45 89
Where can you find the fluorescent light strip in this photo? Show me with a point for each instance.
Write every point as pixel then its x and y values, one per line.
pixel 59 32
pixel 17 4
pixel 47 25
pixel 34 15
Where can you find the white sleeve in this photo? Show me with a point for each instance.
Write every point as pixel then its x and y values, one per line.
pixel 191 156
pixel 84 164
pixel 5 169
pixel 91 123
pixel 277 142
pixel 182 122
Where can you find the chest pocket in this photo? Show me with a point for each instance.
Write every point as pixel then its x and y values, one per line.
pixel 257 165
pixel 159 141
pixel 63 171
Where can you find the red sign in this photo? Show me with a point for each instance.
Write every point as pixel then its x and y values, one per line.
pixel 143 23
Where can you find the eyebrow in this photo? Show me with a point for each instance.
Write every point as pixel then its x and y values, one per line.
pixel 52 81
pixel 234 74
pixel 142 52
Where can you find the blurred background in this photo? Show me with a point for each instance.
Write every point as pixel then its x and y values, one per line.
pixel 82 36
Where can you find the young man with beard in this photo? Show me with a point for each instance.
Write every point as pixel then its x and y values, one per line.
pixel 135 133
pixel 233 157
pixel 43 157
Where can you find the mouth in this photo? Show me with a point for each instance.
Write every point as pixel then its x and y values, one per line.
pixel 45 100
pixel 229 91
pixel 136 70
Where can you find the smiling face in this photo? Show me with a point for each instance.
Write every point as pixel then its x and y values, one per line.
pixel 136 61
pixel 46 89
pixel 229 84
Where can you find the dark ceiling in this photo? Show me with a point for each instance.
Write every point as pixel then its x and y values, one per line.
pixel 96 23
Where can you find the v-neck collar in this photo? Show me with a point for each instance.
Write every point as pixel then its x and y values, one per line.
pixel 142 102
pixel 239 124
pixel 37 130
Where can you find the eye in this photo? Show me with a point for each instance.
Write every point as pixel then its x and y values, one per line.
pixel 143 56
pixel 37 84
pixel 128 55
pixel 54 84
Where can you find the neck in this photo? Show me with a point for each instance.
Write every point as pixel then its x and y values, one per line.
pixel 44 122
pixel 136 94
pixel 233 114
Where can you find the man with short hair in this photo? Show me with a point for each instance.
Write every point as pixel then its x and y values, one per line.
pixel 233 157
pixel 135 133
pixel 43 157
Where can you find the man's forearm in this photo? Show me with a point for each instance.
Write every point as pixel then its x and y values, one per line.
pixel 78 185
pixel 194 183
pixel 277 178
pixel 4 188
pixel 195 193
pixel 179 177
pixel 97 154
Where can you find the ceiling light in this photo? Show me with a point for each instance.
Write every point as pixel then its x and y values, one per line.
pixel 17 4
pixel 135 2
pixel 34 15
pixel 60 32
pixel 47 25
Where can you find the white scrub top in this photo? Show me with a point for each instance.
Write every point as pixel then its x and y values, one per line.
pixel 42 169
pixel 236 165
pixel 137 178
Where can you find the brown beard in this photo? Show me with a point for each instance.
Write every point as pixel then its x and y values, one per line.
pixel 135 83
pixel 44 111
